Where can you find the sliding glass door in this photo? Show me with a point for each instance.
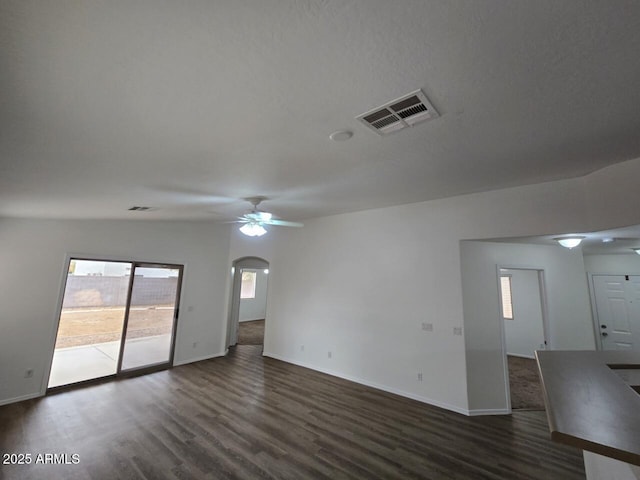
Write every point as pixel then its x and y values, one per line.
pixel 116 317
pixel 148 336
pixel 91 321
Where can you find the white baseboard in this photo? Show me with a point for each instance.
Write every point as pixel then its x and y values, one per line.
pixel 199 359
pixel 21 398
pixel 367 383
pixel 489 411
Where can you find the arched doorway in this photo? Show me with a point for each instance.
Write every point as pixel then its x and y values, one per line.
pixel 248 297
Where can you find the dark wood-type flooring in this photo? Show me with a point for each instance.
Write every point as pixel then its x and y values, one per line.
pixel 248 417
pixel 524 384
pixel 251 333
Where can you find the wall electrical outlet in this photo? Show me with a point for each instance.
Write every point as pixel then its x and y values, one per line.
pixel 28 373
pixel 457 330
pixel 428 327
pixel 195 344
pixel 302 348
pixel 420 376
pixel 329 354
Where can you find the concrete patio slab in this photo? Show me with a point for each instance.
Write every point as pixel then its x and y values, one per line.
pixel 77 364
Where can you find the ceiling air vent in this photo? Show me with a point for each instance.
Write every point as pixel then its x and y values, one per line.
pixel 140 209
pixel 400 113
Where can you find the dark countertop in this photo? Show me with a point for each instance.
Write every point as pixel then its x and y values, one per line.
pixel 588 405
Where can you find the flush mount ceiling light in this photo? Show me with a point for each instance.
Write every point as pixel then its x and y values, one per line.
pixel 569 242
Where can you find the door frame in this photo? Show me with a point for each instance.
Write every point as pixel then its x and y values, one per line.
pixel 594 308
pixel 56 323
pixel 545 319
pixel 234 302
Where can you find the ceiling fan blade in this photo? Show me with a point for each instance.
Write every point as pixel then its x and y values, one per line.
pixel 264 216
pixel 283 223
pixel 258 216
pixel 238 220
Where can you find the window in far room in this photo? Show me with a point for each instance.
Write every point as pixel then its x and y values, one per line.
pixel 248 287
pixel 507 305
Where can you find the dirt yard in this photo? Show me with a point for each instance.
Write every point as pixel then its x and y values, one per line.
pixel 86 326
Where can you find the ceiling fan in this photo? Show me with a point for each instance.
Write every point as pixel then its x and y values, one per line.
pixel 254 221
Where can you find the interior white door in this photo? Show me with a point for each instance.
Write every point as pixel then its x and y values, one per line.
pixel 617 300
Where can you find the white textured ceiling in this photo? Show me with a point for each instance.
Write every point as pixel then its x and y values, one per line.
pixel 189 106
pixel 618 241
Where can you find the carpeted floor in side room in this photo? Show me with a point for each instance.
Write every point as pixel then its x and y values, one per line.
pixel 524 383
pixel 251 333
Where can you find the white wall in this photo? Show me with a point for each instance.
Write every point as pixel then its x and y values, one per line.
pixel 360 285
pixel 255 308
pixel 372 326
pixel 33 253
pixel 612 196
pixel 569 315
pixel 261 247
pixel 524 333
pixel 613 264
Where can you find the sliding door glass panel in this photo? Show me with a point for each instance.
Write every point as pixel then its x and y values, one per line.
pixel 91 321
pixel 150 325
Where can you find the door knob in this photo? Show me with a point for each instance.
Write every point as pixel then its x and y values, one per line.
pixel 605 334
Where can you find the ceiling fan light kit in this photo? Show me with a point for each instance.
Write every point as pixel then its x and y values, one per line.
pixel 253 230
pixel 255 221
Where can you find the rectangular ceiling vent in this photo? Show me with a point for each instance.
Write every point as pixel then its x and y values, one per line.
pixel 141 209
pixel 400 113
